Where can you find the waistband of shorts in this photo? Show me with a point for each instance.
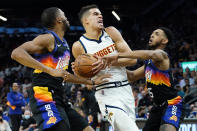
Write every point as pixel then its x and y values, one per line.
pixel 114 84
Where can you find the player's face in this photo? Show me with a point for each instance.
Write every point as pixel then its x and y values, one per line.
pixel 15 87
pixel 65 22
pixel 156 38
pixel 95 18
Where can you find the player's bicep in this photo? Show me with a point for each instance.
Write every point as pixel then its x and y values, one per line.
pixel 31 48
pixel 39 44
pixel 77 49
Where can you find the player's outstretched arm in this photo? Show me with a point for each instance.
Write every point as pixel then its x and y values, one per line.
pixel 79 80
pixel 156 55
pixel 136 74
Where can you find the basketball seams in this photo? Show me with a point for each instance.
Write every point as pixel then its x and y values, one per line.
pixel 83 65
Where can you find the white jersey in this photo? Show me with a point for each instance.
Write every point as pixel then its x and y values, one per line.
pixel 104 47
pixel 115 96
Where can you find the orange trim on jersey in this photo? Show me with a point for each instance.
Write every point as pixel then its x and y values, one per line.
pixel 49 61
pixel 42 94
pixel 174 101
pixel 159 79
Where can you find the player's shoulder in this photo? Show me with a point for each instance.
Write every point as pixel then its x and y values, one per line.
pixel 47 37
pixel 162 52
pixel 44 39
pixel 110 28
pixel 112 31
pixel 160 55
pixel 77 49
pixel 77 46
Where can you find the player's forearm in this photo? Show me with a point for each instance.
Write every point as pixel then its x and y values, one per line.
pixel 21 56
pixel 78 80
pixel 125 62
pixel 141 54
pixel 136 74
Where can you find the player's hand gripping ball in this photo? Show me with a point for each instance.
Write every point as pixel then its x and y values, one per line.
pixel 83 65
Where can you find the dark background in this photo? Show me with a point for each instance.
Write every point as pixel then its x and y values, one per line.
pixel 138 18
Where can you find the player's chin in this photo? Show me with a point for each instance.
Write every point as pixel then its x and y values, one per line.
pixel 101 27
pixel 150 44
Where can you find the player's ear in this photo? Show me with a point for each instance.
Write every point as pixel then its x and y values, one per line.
pixel 58 20
pixel 85 20
pixel 164 41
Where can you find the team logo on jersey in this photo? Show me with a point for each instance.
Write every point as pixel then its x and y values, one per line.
pixel 63 62
pixel 173 118
pixel 148 75
pixel 52 120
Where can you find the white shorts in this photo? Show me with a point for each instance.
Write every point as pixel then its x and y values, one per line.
pixel 118 110
pixel 120 120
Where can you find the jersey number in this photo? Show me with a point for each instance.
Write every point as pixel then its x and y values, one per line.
pixel 150 92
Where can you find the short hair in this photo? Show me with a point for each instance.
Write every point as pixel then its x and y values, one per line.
pixel 168 34
pixel 84 9
pixel 49 16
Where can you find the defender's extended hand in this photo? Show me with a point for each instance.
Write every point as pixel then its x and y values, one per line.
pixel 101 79
pixel 57 72
pixel 99 64
pixel 109 60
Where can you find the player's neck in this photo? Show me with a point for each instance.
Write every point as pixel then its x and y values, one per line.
pixel 93 34
pixel 160 47
pixel 60 33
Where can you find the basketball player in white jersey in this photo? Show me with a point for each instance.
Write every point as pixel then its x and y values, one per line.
pixel 115 98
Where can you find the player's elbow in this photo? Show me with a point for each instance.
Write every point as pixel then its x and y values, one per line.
pixel 130 76
pixel 15 54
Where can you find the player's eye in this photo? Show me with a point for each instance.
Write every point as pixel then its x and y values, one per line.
pixel 157 34
pixel 95 13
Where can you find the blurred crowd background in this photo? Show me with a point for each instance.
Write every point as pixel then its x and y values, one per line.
pixel 179 16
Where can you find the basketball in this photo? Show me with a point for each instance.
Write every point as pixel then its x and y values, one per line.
pixel 83 65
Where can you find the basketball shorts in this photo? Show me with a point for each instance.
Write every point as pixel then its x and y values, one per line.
pixel 118 110
pixel 48 113
pixel 171 112
pixel 120 119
